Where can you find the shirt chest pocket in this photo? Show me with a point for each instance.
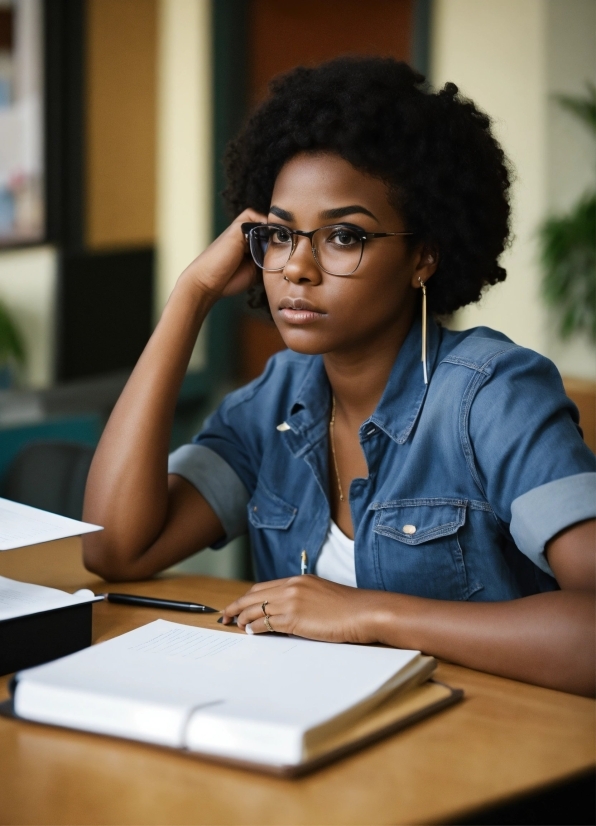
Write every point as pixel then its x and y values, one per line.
pixel 268 511
pixel 417 549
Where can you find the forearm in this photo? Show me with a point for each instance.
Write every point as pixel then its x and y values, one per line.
pixel 547 639
pixel 127 490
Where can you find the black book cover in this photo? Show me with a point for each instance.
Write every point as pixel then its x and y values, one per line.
pixel 38 638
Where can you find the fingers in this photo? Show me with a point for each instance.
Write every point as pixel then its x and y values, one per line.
pixel 259 626
pixel 248 609
pixel 225 267
pixel 272 583
pixel 253 620
pixel 282 598
pixel 250 214
pixel 248 618
pixel 307 606
pixel 254 596
pixel 246 272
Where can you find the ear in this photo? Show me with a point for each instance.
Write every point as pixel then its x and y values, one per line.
pixel 425 265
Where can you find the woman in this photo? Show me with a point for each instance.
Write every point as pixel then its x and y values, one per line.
pixel 433 485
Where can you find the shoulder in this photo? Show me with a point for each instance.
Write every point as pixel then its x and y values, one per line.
pixel 496 358
pixel 474 348
pixel 277 386
pixel 501 388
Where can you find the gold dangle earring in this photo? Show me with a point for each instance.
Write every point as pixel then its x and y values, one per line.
pixel 423 287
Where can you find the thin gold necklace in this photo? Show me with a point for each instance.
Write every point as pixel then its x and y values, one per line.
pixel 332 439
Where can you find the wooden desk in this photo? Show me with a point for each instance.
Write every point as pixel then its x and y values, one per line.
pixel 504 739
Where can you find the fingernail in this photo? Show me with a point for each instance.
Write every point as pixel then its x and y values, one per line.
pixel 248 629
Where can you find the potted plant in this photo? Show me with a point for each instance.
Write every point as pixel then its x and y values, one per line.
pixel 568 245
pixel 12 348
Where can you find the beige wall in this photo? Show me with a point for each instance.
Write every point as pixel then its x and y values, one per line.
pixel 509 56
pixel 28 287
pixel 184 188
pixel 570 149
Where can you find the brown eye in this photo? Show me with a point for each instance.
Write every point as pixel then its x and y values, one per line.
pixel 343 237
pixel 281 236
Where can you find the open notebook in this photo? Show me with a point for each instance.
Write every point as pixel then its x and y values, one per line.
pixel 275 702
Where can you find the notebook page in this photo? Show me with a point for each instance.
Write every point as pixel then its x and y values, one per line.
pixel 20 598
pixel 22 525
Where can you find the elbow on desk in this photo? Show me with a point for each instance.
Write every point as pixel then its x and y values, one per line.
pixel 106 560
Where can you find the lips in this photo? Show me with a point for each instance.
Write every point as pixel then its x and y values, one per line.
pixel 299 311
pixel 288 303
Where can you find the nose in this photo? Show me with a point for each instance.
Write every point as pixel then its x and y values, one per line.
pixel 302 267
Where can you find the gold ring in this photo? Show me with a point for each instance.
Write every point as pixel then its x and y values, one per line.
pixel 267 623
pixel 263 607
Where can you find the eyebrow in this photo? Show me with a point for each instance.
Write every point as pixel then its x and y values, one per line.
pixel 341 212
pixel 328 214
pixel 281 213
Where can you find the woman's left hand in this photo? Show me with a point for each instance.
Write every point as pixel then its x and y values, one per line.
pixel 311 607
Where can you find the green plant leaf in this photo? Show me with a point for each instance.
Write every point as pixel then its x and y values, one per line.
pixel 12 347
pixel 568 256
pixel 583 106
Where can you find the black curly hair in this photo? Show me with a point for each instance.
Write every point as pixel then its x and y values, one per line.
pixel 446 173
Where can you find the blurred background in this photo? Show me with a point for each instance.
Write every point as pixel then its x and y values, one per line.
pixel 114 115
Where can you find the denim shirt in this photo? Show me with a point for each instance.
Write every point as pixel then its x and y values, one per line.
pixel 468 476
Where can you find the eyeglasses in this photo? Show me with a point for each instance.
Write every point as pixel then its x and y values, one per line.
pixel 337 249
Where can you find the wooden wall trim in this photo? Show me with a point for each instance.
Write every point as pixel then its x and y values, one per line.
pixel 583 393
pixel 120 123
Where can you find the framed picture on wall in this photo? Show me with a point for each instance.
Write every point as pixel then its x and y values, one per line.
pixel 22 201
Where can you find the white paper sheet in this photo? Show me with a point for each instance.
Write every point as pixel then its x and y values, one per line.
pixel 22 525
pixel 20 598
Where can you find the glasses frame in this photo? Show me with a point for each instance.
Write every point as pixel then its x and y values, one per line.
pixel 249 227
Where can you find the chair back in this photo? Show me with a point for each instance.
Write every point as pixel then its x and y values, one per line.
pixel 50 475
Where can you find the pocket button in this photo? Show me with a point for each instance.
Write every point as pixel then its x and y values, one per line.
pixel 409 529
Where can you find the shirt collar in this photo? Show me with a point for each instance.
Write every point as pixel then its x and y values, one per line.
pixel 311 404
pixel 400 404
pixel 405 390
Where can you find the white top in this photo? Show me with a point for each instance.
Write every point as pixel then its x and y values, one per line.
pixel 336 560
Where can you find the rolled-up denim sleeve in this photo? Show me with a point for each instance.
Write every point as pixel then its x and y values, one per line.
pixel 545 511
pixel 220 485
pixel 223 460
pixel 526 451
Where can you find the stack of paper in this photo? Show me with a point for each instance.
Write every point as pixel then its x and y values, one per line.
pixel 17 599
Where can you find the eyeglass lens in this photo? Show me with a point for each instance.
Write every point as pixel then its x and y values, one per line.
pixel 337 249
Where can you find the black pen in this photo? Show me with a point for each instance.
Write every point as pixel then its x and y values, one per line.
pixel 153 602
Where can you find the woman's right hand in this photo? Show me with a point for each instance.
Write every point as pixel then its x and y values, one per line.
pixel 226 266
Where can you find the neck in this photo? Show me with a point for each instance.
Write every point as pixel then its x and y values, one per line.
pixel 358 377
